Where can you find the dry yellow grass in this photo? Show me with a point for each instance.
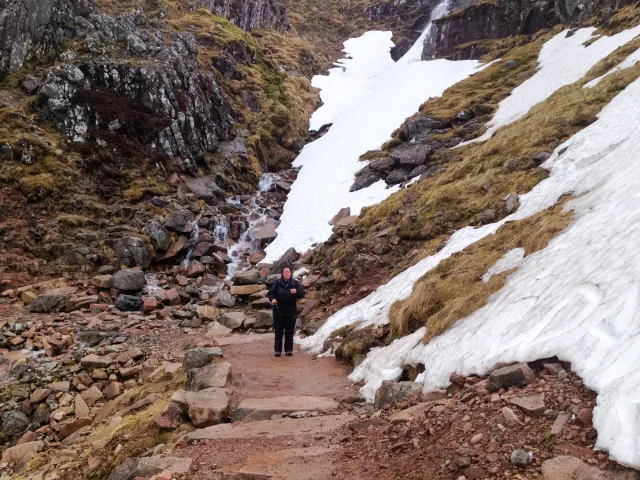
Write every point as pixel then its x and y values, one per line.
pixel 455 288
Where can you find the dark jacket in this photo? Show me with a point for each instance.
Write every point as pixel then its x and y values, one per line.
pixel 281 291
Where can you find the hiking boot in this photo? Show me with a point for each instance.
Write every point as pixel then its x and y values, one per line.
pixel 289 354
pixel 278 354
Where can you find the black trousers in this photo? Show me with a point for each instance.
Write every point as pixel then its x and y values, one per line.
pixel 285 323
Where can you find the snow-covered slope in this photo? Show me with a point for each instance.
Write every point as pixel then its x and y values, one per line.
pixel 366 98
pixel 578 299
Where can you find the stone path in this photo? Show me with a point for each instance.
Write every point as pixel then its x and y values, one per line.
pixel 288 414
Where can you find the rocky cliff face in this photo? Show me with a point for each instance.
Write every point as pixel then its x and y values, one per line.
pixel 408 19
pixel 248 14
pixel 454 35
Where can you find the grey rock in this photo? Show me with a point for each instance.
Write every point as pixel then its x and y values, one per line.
pixel 511 203
pixel 391 392
pixel 247 14
pixel 181 221
pixel 397 176
pixel 287 260
pixel 127 470
pixel 6 152
pixel 225 299
pixel 364 180
pixel 250 277
pixel 210 376
pixel 419 127
pixel 521 458
pixel 410 156
pixel 199 357
pixel 136 45
pixel 132 251
pixel 14 422
pixel 232 320
pixel 31 84
pixel 519 375
pixel 128 280
pixel 50 303
pixel 128 303
pixel 264 319
pixel 159 236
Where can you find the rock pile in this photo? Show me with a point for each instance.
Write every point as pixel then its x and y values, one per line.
pixel 523 421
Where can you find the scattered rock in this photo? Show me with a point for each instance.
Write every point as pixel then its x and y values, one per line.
pixel 519 375
pixel 128 303
pixel 391 392
pixel 210 376
pixel 532 405
pixel 199 357
pixel 521 458
pixel 14 422
pixel 232 320
pixel 50 303
pixel 128 280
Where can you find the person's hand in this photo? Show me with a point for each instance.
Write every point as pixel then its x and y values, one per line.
pixel 274 302
pixel 293 291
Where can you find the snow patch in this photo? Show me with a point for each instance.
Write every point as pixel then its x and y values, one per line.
pixel 511 259
pixel 563 60
pixel 628 62
pixel 366 97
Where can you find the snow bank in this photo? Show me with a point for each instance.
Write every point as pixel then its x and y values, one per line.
pixel 578 299
pixel 563 60
pixel 511 259
pixel 366 98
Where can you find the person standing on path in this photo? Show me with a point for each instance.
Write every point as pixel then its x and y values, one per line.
pixel 284 294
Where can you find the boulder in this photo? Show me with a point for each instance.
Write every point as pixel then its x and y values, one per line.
pixel 17 453
pixel 216 330
pixel 250 277
pixel 195 269
pixel 96 361
pixel 225 299
pixel 206 312
pixel 13 422
pixel 128 303
pixel 397 176
pixel 391 392
pixel 210 376
pixel 343 213
pixel 158 235
pixel 365 179
pixel 199 357
pixel 131 251
pixel 519 375
pixel 265 232
pixel 128 280
pixel 170 417
pixel 204 189
pixel 345 223
pixel 205 408
pixel 232 320
pixel 410 156
pixel 50 303
pixel 254 409
pixel 263 302
pixel 521 458
pixel 286 260
pixel 71 426
pixel 246 290
pixel 264 319
pixel 532 404
pixel 419 128
pixel 181 221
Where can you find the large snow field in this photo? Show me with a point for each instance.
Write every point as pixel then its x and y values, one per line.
pixel 578 299
pixel 366 98
pixel 563 60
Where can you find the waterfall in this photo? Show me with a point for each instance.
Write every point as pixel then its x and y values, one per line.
pixel 193 241
pixel 267 182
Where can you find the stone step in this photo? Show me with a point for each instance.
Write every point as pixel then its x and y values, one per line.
pixel 310 463
pixel 253 409
pixel 242 339
pixel 272 428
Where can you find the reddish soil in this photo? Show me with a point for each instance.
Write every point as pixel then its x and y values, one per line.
pixel 258 374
